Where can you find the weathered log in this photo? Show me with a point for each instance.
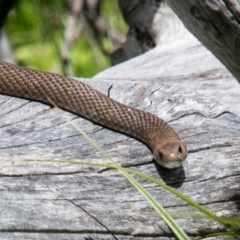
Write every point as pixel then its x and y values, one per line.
pixel 179 81
pixel 216 24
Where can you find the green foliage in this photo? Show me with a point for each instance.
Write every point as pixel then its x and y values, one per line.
pixel 35 29
pixel 110 12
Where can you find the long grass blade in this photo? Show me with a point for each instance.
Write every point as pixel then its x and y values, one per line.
pixel 180 234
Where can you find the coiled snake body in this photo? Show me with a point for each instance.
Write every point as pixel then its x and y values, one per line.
pixel 168 149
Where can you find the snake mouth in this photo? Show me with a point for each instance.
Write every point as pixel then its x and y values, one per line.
pixel 171 154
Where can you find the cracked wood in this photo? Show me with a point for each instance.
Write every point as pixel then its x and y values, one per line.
pixel 194 93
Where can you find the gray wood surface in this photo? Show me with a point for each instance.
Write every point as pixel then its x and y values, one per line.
pixel 181 82
pixel 216 24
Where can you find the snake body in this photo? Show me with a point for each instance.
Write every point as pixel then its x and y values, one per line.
pixel 168 149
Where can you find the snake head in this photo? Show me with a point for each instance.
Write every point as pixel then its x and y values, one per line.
pixel 171 154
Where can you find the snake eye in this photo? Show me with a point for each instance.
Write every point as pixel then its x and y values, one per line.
pixel 180 149
pixel 160 155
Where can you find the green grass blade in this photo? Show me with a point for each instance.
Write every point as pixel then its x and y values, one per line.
pixel 208 214
pixel 180 195
pixel 165 216
pixel 219 234
pixel 158 208
pixel 180 234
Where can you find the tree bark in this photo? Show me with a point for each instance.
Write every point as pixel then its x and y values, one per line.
pixel 217 25
pixel 179 81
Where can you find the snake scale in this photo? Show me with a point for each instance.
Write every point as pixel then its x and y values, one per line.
pixel 74 96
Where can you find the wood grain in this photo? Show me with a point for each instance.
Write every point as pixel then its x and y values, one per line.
pixel 79 199
pixel 179 81
pixel 216 24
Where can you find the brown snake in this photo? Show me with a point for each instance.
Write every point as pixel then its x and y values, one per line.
pixel 168 149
